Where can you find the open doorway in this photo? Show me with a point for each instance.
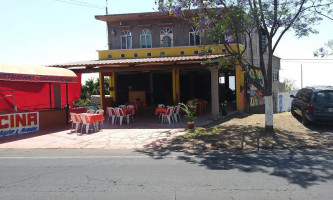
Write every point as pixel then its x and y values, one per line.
pixel 227 88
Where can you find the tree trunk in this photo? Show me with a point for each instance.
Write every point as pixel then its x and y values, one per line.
pixel 268 113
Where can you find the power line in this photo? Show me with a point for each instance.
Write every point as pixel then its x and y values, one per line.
pixel 80 3
pixel 297 59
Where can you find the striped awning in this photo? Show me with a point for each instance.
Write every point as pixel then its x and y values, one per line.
pixel 10 72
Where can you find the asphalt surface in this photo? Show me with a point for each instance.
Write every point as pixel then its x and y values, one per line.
pixel 124 174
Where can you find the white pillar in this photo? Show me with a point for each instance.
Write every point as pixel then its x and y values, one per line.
pixel 214 77
pixel 268 112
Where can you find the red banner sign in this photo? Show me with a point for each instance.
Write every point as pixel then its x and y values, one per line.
pixel 37 78
pixel 18 123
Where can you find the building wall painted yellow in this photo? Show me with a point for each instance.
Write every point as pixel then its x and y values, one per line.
pixel 112 84
pixel 156 52
pixel 239 88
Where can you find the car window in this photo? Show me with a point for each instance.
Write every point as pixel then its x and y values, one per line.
pixel 307 95
pixel 299 94
pixel 324 96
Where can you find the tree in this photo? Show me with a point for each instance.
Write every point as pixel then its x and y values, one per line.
pixel 251 24
pixel 325 51
pixel 91 87
pixel 289 84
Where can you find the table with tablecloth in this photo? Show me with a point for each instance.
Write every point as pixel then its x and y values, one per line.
pixel 160 110
pixel 129 111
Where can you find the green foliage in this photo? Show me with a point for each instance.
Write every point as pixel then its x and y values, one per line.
pixel 189 110
pixel 82 102
pixel 289 85
pixel 91 87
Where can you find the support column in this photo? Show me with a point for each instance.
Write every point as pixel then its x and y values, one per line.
pixel 151 87
pixel 112 84
pixel 214 79
pixel 175 86
pixel 102 90
pixel 239 88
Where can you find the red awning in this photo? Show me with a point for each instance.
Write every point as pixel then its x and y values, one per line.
pixel 10 72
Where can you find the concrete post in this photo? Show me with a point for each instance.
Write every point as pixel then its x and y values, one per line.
pixel 214 77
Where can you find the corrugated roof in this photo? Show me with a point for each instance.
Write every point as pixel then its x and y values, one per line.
pixel 131 61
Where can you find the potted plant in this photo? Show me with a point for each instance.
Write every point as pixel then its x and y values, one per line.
pixel 224 108
pixel 190 109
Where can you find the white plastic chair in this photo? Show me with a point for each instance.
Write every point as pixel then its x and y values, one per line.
pixel 122 106
pixel 168 115
pixel 160 105
pixel 86 123
pixel 75 121
pixel 131 115
pixel 120 114
pixel 176 115
pixel 130 106
pixel 92 111
pixel 100 111
pixel 112 114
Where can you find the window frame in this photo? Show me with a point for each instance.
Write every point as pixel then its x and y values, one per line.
pixel 166 31
pixel 127 35
pixel 145 33
pixel 193 31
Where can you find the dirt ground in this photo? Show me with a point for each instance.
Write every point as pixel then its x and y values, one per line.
pixel 245 131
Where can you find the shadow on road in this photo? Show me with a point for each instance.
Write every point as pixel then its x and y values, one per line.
pixel 304 168
pixel 301 159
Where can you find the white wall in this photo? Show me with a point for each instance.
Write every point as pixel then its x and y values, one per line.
pixel 284 101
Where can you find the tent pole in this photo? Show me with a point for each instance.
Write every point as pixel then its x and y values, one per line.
pixel 67 105
pixel 50 95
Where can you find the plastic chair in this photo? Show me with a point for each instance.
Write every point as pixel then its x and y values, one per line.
pixel 176 113
pixel 92 111
pixel 100 111
pixel 112 114
pixel 120 114
pixel 168 115
pixel 130 106
pixel 75 121
pixel 130 115
pixel 86 122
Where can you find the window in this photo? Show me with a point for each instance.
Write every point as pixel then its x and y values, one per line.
pixel 194 37
pixel 126 40
pixel 166 37
pixel 275 76
pixel 263 41
pixel 145 38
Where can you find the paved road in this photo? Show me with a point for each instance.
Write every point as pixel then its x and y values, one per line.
pixel 124 174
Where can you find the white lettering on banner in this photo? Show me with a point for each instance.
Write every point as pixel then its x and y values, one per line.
pixel 18 123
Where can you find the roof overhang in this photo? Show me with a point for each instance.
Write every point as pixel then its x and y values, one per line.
pixel 10 72
pixel 133 16
pixel 137 64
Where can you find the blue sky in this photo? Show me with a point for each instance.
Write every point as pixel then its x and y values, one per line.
pixel 45 32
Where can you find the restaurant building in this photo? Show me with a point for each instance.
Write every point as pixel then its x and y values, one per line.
pixel 156 58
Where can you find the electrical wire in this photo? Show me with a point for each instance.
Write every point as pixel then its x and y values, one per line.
pixel 80 3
